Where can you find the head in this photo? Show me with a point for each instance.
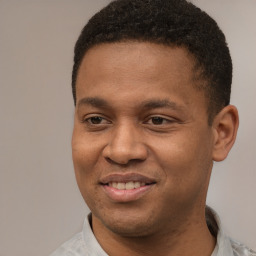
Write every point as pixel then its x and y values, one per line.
pixel 151 84
pixel 171 23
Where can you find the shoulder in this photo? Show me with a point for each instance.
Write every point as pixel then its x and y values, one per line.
pixel 73 247
pixel 240 249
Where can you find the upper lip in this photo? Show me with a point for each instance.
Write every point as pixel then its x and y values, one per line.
pixel 124 178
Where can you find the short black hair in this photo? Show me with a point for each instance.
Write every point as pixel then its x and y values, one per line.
pixel 168 22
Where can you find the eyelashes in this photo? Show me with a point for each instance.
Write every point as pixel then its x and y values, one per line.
pixel 95 120
pixel 158 120
pixel 155 122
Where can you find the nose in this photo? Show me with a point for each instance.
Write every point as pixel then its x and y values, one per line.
pixel 125 145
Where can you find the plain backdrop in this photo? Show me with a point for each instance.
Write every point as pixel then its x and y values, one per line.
pixel 41 206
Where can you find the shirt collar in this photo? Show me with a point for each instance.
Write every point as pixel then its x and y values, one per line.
pixel 90 240
pixel 223 246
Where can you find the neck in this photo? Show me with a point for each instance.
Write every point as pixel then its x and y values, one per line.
pixel 191 238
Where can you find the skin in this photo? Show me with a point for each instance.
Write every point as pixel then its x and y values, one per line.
pixel 153 122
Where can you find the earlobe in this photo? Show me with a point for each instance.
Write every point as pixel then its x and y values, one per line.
pixel 225 127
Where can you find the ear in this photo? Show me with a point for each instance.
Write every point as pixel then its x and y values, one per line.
pixel 225 127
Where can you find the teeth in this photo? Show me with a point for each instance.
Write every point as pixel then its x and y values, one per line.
pixel 120 185
pixel 114 184
pixel 127 185
pixel 137 184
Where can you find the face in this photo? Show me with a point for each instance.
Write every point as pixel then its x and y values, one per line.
pixel 142 146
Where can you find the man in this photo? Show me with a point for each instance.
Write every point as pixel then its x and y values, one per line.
pixel 151 84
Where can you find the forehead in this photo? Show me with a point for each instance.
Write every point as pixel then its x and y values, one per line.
pixel 150 59
pixel 136 69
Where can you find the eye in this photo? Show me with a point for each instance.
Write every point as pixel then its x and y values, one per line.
pixel 158 120
pixel 96 120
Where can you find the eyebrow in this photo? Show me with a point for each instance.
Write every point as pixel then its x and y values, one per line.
pixel 160 103
pixel 146 105
pixel 93 101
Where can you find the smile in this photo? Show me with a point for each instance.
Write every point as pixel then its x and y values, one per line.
pixel 126 188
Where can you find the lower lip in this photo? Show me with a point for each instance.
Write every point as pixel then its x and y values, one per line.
pixel 126 195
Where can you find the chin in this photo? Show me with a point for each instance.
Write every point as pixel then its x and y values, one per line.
pixel 134 224
pixel 128 229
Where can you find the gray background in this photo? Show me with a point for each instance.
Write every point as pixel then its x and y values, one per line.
pixel 41 206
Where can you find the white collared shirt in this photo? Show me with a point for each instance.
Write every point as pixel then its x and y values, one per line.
pixel 85 244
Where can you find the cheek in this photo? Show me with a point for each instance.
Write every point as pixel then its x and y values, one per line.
pixel 85 148
pixel 84 160
pixel 85 154
pixel 185 160
pixel 87 171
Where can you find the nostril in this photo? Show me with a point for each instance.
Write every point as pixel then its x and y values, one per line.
pixel 109 160
pixel 119 162
pixel 123 163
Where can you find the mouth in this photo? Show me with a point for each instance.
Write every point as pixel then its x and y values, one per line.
pixel 127 185
pixel 125 188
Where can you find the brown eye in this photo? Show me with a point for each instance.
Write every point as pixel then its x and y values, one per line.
pixel 157 120
pixel 95 120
